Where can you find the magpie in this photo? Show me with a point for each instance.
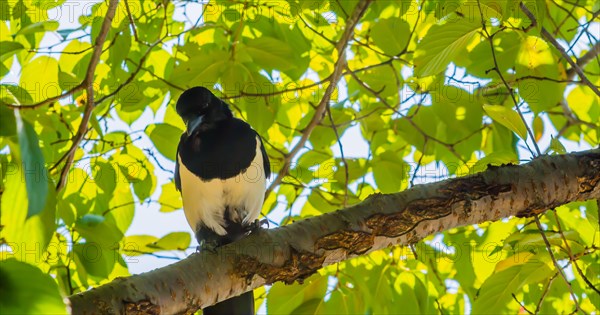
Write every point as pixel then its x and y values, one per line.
pixel 221 171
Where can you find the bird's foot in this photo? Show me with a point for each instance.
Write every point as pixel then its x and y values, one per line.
pixel 210 246
pixel 256 226
pixel 264 222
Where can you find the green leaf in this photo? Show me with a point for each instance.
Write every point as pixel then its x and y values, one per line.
pixel 138 170
pixel 35 169
pixel 536 59
pixel 496 159
pixel 3 69
pixel 173 241
pixel 261 116
pixel 390 172
pixel 165 138
pixel 38 28
pixel 557 146
pixel 97 260
pixel 482 60
pixel 120 49
pixel 170 198
pixel 19 231
pixel 413 294
pixel 508 118
pixel 391 35
pixel 41 76
pixel 495 292
pixel 443 43
pixel 115 139
pixel 105 177
pixel 538 128
pixel 74 52
pixel 27 290
pixel 9 48
pixel 317 201
pixel 341 302
pixel 91 220
pixel 202 69
pixel 270 53
pixel 135 245
pixel 285 299
pixel 8 124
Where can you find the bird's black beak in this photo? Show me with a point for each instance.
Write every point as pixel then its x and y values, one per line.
pixel 194 124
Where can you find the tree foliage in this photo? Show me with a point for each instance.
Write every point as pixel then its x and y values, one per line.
pixel 430 89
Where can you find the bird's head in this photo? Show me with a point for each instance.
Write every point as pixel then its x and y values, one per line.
pixel 200 109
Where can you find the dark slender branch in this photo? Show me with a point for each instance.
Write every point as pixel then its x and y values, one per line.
pixel 50 100
pixel 521 304
pixel 545 293
pixel 339 141
pixel 546 35
pixel 351 23
pixel 570 252
pixel 584 60
pixel 132 75
pixel 508 87
pixel 131 21
pixel 558 267
pixel 88 82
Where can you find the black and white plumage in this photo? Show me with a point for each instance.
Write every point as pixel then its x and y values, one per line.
pixel 221 172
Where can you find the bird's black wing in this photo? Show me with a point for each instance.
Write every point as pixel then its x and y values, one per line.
pixel 177 178
pixel 266 163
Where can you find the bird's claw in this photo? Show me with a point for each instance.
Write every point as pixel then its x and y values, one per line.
pixel 257 225
pixel 207 246
pixel 264 222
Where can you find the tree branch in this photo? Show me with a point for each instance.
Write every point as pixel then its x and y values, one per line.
pixel 351 23
pixel 298 250
pixel 584 60
pixel 88 82
pixel 552 40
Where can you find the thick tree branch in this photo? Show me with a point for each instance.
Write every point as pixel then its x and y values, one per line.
pixel 297 250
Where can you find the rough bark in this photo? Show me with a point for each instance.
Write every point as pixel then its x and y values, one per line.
pixel 297 250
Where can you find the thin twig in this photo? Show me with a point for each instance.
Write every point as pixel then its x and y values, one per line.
pixel 521 304
pixel 150 254
pixel 88 82
pixel 530 132
pixel 50 100
pixel 545 293
pixel 508 87
pixel 351 23
pixel 339 141
pixel 131 21
pixel 546 35
pixel 558 267
pixel 570 252
pixel 584 60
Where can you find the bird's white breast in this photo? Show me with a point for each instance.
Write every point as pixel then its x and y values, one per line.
pixel 205 201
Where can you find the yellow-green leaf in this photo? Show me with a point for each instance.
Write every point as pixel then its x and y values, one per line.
pixel 27 290
pixel 508 118
pixel 557 146
pixel 38 27
pixel 165 138
pixel 443 43
pixel 173 241
pixel 35 169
